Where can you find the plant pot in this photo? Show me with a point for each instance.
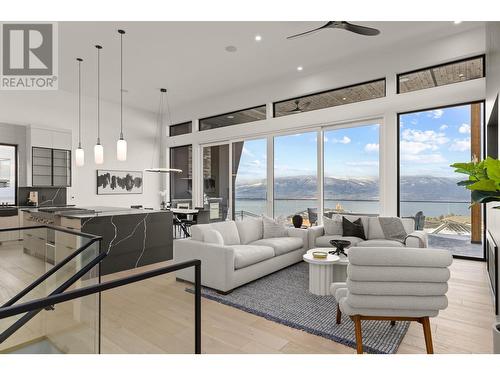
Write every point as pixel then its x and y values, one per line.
pixel 297 221
pixel 496 337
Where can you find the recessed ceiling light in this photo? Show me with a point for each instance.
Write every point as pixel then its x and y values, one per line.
pixel 300 68
pixel 344 98
pixel 404 79
pixel 457 22
pixel 258 38
pixel 231 49
pixel 230 117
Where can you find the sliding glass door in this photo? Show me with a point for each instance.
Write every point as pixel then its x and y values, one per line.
pixel 351 170
pixel 296 177
pixel 249 178
pixel 429 141
pixel 216 180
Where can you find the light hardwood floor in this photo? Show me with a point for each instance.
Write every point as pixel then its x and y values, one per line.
pixel 156 316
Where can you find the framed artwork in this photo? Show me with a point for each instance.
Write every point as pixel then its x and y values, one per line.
pixel 119 182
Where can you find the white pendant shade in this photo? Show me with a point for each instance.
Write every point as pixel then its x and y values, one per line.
pixel 98 154
pixel 79 157
pixel 121 150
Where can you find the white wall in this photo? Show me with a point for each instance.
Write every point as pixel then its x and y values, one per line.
pixel 58 110
pixel 387 64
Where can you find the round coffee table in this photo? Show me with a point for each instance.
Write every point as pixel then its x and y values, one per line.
pixel 339 245
pixel 321 274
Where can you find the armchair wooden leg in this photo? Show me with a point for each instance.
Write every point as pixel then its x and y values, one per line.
pixel 339 314
pixel 427 335
pixel 359 337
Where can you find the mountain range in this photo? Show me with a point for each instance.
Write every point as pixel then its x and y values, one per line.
pixel 418 188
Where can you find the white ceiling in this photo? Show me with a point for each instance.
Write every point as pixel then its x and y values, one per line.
pixel 189 58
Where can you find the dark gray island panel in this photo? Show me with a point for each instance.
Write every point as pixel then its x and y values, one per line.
pixel 133 240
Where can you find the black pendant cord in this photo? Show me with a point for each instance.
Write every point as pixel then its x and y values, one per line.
pixel 79 102
pixel 98 94
pixel 121 32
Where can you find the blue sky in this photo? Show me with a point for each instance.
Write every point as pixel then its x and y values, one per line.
pixel 430 142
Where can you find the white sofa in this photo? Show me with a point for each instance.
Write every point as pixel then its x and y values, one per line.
pixel 235 253
pixel 373 233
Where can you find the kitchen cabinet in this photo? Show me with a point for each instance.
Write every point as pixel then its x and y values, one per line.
pixel 51 167
pixel 10 221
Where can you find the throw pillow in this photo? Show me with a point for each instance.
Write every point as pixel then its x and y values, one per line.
pixel 272 228
pixel 393 228
pixel 353 229
pixel 333 226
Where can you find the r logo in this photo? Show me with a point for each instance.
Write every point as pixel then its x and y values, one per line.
pixel 28 49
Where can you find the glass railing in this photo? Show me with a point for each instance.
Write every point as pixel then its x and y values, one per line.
pixel 71 309
pixel 40 261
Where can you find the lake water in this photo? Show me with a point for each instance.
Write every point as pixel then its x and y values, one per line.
pixel 291 206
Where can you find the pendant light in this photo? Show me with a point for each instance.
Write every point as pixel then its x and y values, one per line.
pixel 163 93
pixel 79 154
pixel 98 149
pixel 121 144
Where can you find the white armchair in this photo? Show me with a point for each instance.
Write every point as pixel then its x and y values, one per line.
pixel 394 284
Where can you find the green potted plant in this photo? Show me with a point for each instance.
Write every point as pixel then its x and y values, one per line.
pixel 483 181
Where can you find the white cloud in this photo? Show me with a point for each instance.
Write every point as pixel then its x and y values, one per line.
pixel 416 141
pixel 247 152
pixel 460 145
pixel 363 163
pixel 372 147
pixel 345 140
pixel 424 158
pixel 413 148
pixel 443 127
pixel 437 113
pixel 464 129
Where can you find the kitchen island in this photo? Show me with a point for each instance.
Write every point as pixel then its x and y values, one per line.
pixel 130 237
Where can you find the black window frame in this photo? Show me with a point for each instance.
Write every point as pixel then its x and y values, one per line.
pixel 398 75
pixel 483 152
pixel 334 89
pixel 52 167
pixel 231 113
pixel 190 123
pixel 16 162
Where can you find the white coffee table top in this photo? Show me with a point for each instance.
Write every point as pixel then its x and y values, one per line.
pixel 330 259
pixel 342 259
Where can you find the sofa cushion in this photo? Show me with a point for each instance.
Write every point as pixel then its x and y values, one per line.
pixel 250 230
pixel 334 225
pixel 409 224
pixel 246 255
pixel 272 228
pixel 227 229
pixel 380 243
pixel 353 229
pixel 213 236
pixel 324 241
pixel 281 245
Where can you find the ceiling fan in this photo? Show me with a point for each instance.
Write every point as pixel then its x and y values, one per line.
pixel 298 108
pixel 343 25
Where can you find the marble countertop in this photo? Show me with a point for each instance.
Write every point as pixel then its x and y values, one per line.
pixel 97 211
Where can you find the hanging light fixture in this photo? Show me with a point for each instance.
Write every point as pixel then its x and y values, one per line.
pixel 121 144
pixel 79 154
pixel 163 93
pixel 98 149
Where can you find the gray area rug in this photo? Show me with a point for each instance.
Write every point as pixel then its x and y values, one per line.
pixel 284 297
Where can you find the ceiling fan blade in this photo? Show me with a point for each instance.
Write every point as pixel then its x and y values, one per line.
pixel 310 31
pixel 358 29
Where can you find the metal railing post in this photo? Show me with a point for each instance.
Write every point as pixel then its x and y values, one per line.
pixel 197 308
